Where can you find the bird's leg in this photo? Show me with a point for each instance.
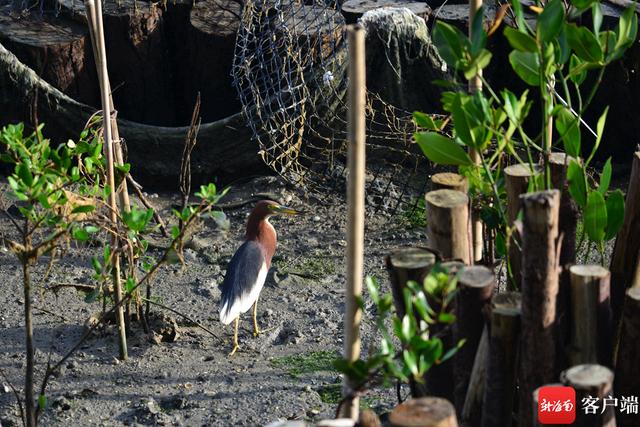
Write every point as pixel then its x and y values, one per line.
pixel 236 346
pixel 256 329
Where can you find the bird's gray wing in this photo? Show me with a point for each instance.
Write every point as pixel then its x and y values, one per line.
pixel 244 275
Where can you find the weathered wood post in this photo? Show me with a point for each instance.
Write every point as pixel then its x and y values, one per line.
pixel 449 181
pixel 500 386
pixel 516 181
pixel 539 293
pixel 475 288
pixel 424 412
pixel 355 201
pixel 626 382
pixel 404 264
pixel 593 384
pixel 448 224
pixel 627 247
pixel 591 340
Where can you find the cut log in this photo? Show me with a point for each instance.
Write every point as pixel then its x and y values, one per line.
pixel 627 247
pixel 208 56
pixel 136 54
pixel 448 224
pixel 475 288
pixel 354 9
pixel 516 179
pixel 500 386
pixel 57 49
pixel 591 313
pixel 225 149
pixel 424 412
pixel 593 383
pixel 539 293
pixel 449 181
pixel 626 383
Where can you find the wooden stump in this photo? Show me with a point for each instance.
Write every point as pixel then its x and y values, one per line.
pixel 139 69
pixel 424 412
pixel 627 247
pixel 475 288
pixel 404 264
pixel 449 181
pixel 539 293
pixel 500 386
pixel 626 383
pixel 448 224
pixel 354 9
pixel 591 313
pixel 57 49
pixel 516 179
pixel 207 58
pixel 591 382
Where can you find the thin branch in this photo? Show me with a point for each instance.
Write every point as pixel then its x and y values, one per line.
pixel 198 324
pixel 17 394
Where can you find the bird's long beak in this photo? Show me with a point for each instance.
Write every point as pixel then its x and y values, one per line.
pixel 283 210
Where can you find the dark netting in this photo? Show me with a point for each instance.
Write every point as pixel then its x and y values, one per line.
pixel 290 71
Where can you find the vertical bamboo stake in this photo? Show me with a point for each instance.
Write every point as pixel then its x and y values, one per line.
pixel 476 284
pixel 627 383
pixel 475 84
pixel 591 338
pixel 103 76
pixel 596 382
pixel 626 251
pixel 539 293
pixel 500 386
pixel 355 200
pixel 424 412
pixel 448 224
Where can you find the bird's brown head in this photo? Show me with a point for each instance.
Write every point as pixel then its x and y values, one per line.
pixel 257 224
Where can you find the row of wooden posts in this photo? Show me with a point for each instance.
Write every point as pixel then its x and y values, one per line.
pixel 563 327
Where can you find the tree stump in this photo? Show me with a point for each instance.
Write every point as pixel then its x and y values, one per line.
pixel 592 332
pixel 139 69
pixel 500 384
pixel 626 383
pixel 207 58
pixel 592 382
pixel 57 49
pixel 448 224
pixel 404 264
pixel 539 293
pixel 354 9
pixel 424 412
pixel 449 181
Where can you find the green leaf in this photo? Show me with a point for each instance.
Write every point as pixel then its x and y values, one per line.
pixel 478 34
pixel 583 4
pixel 577 183
pixel 605 177
pixel 373 288
pixel 550 21
pixel 595 217
pixel 520 41
pixel 615 214
pixel 627 28
pixel 450 43
pixel 42 402
pixel 23 172
pixel 441 150
pixel 585 44
pixel 599 131
pixel 596 12
pixel 92 296
pixel 527 66
pixel 130 285
pixel 424 121
pixel 446 318
pixel 577 70
pixel 569 130
pixel 479 62
pixel 80 234
pixel 410 362
pixel 83 209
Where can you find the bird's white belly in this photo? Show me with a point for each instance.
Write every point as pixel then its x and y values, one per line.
pixel 244 303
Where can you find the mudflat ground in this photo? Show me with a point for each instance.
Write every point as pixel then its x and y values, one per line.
pixel 189 380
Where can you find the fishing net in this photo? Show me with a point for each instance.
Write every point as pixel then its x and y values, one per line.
pixel 290 71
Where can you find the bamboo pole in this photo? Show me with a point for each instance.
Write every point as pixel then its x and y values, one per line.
pixel 539 293
pixel 355 200
pixel 449 181
pixel 95 9
pixel 591 382
pixel 475 85
pixel 448 224
pixel 516 183
pixel 500 385
pixel 424 412
pixel 475 287
pixel 404 264
pixel 626 382
pixel 591 314
pixel 626 251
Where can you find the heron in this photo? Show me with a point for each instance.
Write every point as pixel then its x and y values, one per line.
pixel 248 268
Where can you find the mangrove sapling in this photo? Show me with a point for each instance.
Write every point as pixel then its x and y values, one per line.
pixel 492 124
pixel 426 304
